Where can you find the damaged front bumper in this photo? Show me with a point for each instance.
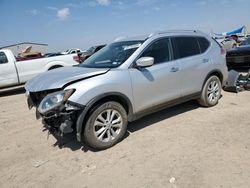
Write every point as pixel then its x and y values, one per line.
pixel 237 82
pixel 59 120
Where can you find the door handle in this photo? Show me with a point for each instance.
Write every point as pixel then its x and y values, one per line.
pixel 205 60
pixel 174 69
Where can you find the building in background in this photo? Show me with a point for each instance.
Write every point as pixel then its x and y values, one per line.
pixel 20 47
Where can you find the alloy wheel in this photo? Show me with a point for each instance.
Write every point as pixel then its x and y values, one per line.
pixel 108 125
pixel 213 91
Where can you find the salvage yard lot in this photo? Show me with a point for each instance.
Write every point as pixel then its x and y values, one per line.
pixel 199 147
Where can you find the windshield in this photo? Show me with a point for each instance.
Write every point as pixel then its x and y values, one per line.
pixel 246 42
pixel 112 55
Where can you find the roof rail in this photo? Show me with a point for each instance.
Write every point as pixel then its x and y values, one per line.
pixel 173 31
pixel 138 37
pixel 120 38
pixel 157 33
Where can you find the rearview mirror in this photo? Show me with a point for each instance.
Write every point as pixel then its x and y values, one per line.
pixel 145 62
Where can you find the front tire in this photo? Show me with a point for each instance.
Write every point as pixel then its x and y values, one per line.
pixel 211 92
pixel 106 125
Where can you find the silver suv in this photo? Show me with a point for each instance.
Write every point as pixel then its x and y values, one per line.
pixel 126 80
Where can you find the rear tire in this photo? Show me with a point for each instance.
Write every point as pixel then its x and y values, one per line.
pixel 211 92
pixel 106 125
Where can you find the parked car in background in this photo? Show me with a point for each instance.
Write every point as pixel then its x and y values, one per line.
pixel 126 80
pixel 239 58
pixel 72 51
pixel 13 72
pixel 90 52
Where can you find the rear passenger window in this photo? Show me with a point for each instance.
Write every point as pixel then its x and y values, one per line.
pixel 3 58
pixel 204 44
pixel 159 50
pixel 186 46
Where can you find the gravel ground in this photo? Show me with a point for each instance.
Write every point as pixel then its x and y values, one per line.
pixel 184 146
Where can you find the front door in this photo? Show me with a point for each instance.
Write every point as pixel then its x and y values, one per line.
pixel 158 84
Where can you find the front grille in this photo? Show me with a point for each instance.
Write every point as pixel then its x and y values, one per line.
pixel 54 122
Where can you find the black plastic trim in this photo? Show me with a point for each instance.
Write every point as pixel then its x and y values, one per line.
pixel 165 105
pixel 76 104
pixel 131 116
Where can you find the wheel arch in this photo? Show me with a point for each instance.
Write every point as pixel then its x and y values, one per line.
pixel 203 101
pixel 215 72
pixel 51 64
pixel 55 67
pixel 111 96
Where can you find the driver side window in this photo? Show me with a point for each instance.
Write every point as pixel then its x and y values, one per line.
pixel 159 50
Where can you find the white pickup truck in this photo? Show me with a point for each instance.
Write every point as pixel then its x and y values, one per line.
pixel 13 72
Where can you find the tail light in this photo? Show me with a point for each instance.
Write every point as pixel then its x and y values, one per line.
pixel 76 58
pixel 223 52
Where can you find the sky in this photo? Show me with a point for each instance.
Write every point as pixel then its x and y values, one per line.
pixel 64 24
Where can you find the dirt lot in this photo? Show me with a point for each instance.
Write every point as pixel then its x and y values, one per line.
pixel 185 146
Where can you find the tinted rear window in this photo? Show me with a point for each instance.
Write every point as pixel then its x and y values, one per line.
pixel 204 44
pixel 186 46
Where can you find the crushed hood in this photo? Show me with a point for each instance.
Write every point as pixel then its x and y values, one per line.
pixel 56 79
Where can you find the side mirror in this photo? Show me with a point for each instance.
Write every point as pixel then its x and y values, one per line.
pixel 145 62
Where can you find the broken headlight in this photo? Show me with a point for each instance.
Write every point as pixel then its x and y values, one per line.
pixel 54 100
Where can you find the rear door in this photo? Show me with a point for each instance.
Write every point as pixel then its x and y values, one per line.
pixel 160 83
pixel 8 73
pixel 195 62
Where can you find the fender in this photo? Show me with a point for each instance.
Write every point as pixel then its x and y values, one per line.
pixel 82 114
pixel 216 72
